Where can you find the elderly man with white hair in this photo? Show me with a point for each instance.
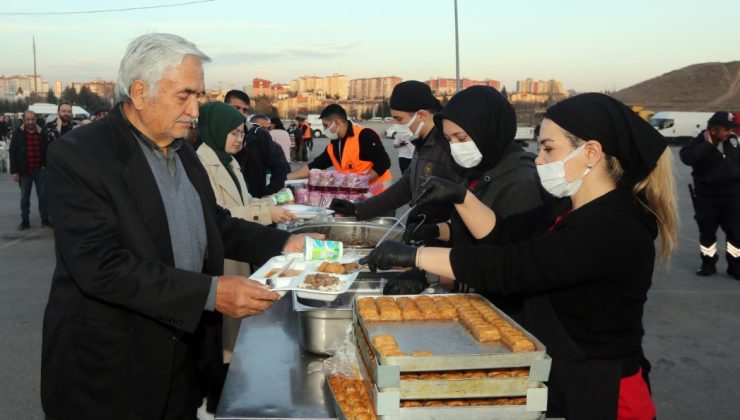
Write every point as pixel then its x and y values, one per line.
pixel 138 291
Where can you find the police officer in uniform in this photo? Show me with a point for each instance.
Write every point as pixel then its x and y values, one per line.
pixel 714 156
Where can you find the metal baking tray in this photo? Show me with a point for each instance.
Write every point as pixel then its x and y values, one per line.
pixel 383 403
pixel 453 346
pixel 387 403
pixel 388 377
pixel 499 412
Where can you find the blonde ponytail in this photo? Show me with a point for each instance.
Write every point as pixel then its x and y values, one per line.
pixel 657 192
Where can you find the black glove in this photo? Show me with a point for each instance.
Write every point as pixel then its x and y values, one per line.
pixel 343 206
pixel 439 190
pixel 410 282
pixel 426 233
pixel 390 254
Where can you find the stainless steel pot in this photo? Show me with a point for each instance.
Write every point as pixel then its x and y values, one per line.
pixel 348 230
pixel 322 325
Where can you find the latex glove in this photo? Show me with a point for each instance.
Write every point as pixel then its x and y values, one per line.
pixel 343 206
pixel 439 190
pixel 390 254
pixel 411 282
pixel 421 232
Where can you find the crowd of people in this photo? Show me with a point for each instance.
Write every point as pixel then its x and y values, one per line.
pixel 160 207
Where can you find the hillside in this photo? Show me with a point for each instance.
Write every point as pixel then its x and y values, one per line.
pixel 699 87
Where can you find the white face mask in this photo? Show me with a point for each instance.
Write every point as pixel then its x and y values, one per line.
pixel 329 134
pixel 466 154
pixel 552 176
pixel 413 134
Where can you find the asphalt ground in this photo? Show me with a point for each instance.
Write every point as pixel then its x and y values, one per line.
pixel 691 323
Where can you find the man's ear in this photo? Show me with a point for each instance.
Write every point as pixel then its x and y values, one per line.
pixel 138 92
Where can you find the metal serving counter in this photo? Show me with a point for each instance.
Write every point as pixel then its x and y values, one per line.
pixel 268 376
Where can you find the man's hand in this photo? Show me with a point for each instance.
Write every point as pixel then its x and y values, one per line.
pixel 59 124
pixel 279 214
pixel 239 297
pixel 440 190
pixel 15 177
pixel 345 207
pixel 296 242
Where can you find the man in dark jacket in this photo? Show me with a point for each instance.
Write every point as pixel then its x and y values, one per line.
pixel 61 125
pixel 4 127
pixel 28 167
pixel 258 157
pixel 714 156
pixel 138 292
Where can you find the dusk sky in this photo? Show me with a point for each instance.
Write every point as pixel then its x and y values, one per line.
pixel 587 45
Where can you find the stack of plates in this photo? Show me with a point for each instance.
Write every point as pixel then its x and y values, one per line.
pixel 307 212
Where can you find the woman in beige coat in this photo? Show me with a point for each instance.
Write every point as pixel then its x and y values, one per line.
pixel 222 131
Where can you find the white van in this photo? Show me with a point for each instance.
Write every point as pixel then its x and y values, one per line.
pixel 315 122
pixel 679 126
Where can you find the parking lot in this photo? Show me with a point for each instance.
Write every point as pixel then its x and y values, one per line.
pixel 691 322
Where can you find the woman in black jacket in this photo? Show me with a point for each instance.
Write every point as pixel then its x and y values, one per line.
pixel 585 266
pixel 495 169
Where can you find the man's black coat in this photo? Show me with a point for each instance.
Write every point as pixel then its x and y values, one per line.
pixel 116 299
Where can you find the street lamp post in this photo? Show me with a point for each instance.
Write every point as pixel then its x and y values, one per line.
pixel 457 55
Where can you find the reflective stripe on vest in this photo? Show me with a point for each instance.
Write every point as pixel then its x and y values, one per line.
pixel 351 162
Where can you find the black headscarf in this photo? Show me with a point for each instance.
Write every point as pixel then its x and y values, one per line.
pixel 621 132
pixel 487 117
pixel 413 95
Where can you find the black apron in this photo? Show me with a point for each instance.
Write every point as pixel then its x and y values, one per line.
pixel 579 387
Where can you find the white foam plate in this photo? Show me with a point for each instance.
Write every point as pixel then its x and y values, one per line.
pixel 307 212
pixel 306 267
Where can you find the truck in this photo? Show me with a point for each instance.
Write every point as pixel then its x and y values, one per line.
pixel 679 126
pixel 640 110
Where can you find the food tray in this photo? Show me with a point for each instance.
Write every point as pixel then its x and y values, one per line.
pixel 387 404
pixel 500 412
pixel 306 267
pixel 453 346
pixel 388 377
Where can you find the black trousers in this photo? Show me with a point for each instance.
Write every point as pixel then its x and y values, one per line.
pixel 185 394
pixel 301 151
pixel 714 212
pixel 404 163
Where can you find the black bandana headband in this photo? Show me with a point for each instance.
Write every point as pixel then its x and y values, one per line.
pixel 621 132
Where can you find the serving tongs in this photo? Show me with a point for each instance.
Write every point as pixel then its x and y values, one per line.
pixel 412 205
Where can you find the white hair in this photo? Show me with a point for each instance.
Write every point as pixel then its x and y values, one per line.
pixel 149 57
